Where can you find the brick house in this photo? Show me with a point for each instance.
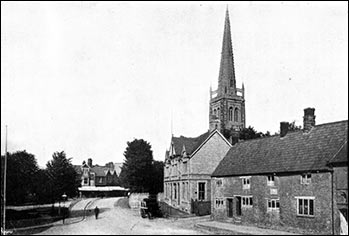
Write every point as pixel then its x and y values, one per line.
pixel 189 164
pixel 283 179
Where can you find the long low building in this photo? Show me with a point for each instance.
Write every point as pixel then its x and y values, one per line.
pixel 103 191
pixel 297 179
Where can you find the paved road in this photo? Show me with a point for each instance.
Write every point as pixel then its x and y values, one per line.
pixel 120 221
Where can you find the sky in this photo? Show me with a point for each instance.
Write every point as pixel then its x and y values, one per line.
pixel 88 77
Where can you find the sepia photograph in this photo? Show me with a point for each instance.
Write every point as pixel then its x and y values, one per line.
pixel 174 118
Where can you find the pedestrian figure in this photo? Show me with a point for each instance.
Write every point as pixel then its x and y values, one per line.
pixel 96 212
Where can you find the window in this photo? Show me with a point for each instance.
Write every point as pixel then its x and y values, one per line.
pixel 231 83
pixel 305 206
pixel 246 183
pixel 230 114
pixel 85 180
pixel 219 202
pixel 218 112
pixel 247 201
pixel 175 191
pixel 225 89
pixel 306 179
pixel 273 204
pixel 100 180
pixel 270 181
pixel 202 191
pixel 236 115
pixel 219 182
pixel 215 112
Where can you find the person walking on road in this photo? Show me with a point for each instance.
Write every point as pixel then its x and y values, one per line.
pixel 96 212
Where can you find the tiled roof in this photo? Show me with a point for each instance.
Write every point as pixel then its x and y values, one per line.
pixel 191 144
pixel 100 170
pixel 341 156
pixel 297 151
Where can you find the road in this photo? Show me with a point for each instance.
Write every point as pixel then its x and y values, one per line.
pixel 117 220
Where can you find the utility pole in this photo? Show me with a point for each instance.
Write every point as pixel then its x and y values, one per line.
pixel 4 206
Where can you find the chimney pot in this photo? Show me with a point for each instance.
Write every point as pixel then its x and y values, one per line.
pixel 283 128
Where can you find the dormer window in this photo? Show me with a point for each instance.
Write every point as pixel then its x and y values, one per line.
pixel 306 179
pixel 270 181
pixel 246 182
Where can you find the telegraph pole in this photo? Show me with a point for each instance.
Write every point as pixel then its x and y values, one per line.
pixel 4 206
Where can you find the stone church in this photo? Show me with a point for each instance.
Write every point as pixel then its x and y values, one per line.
pixel 189 162
pixel 227 103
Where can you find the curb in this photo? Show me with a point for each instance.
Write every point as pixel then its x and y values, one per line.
pixel 218 230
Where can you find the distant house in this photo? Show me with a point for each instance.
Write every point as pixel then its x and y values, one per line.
pixel 189 164
pixel 94 176
pixel 286 179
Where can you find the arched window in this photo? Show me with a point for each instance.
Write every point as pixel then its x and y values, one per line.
pixel 236 115
pixel 218 114
pixel 230 114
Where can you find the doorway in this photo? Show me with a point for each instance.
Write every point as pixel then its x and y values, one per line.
pixel 230 207
pixel 238 206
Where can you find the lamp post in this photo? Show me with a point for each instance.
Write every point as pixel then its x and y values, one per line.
pixel 64 196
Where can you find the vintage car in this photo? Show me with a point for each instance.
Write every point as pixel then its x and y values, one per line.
pixel 150 208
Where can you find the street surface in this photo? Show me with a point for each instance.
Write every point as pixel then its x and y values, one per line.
pixel 118 221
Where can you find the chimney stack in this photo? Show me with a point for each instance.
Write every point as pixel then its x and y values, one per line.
pixel 308 119
pixel 89 162
pixel 283 128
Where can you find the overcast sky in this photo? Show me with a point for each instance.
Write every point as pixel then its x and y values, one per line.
pixel 87 77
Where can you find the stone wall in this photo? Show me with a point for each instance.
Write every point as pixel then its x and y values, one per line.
pixel 135 199
pixel 286 188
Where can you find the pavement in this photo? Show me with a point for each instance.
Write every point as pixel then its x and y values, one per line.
pixel 233 229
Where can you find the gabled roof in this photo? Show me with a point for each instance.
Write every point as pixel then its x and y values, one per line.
pixel 190 144
pixel 117 168
pixel 295 152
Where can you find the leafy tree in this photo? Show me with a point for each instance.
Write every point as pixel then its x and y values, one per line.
pixel 293 127
pixel 250 133
pixel 137 169
pixel 21 173
pixel 62 176
pixel 158 177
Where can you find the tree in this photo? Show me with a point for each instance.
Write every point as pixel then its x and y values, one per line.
pixel 137 169
pixel 62 176
pixel 158 177
pixel 250 133
pixel 21 173
pixel 293 127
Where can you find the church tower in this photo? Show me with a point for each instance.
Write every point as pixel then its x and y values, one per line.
pixel 227 103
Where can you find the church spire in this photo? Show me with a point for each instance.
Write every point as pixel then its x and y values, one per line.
pixel 226 80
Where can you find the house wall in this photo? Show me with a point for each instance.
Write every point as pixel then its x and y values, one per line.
pixel 286 188
pixel 340 176
pixel 208 157
pixel 193 171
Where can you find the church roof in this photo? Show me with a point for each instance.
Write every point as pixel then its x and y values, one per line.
pixel 296 152
pixel 189 144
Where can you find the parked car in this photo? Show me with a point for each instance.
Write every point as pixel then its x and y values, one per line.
pixel 150 208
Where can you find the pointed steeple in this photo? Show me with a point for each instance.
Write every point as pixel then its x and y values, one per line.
pixel 226 80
